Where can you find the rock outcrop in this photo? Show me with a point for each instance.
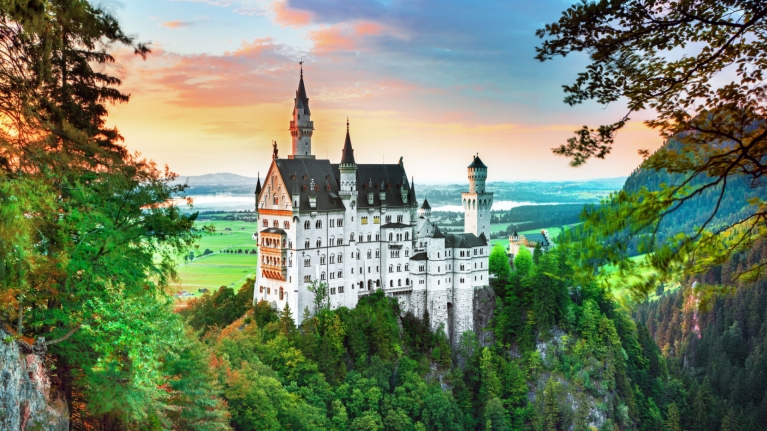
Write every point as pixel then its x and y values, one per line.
pixel 26 402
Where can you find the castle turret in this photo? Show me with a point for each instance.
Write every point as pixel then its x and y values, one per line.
pixel 301 126
pixel 477 203
pixel 425 210
pixel 258 189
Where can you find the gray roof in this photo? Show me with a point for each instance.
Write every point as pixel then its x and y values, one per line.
pixel 391 176
pixel 438 233
pixel 425 205
pixel 537 237
pixel 301 100
pixel 477 163
pixel 464 240
pixel 420 256
pixel 347 154
pixel 305 170
pixel 274 230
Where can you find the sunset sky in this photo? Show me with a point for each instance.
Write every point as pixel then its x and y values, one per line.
pixel 433 81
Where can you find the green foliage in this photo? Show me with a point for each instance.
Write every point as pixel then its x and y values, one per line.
pixel 221 308
pixel 498 263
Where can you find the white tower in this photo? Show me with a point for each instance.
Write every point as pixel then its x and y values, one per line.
pixel 301 126
pixel 477 203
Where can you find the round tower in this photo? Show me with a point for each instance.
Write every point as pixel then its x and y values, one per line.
pixel 425 210
pixel 477 176
pixel 476 202
pixel 301 126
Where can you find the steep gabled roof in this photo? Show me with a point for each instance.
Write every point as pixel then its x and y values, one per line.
pixel 465 240
pixel 297 173
pixel 390 175
pixel 301 100
pixel 258 186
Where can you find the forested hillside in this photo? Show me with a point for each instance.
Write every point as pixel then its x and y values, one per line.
pixel 717 347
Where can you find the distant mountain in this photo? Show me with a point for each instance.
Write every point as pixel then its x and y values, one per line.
pixel 218 179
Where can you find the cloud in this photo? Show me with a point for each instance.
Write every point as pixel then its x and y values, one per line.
pixel 287 17
pixel 177 24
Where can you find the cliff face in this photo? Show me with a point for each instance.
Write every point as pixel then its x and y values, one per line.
pixel 26 402
pixel 484 307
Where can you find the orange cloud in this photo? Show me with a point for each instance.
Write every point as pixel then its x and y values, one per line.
pixel 343 37
pixel 290 17
pixel 177 24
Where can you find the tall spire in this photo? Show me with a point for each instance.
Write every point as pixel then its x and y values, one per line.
pixel 301 125
pixel 258 185
pixel 347 155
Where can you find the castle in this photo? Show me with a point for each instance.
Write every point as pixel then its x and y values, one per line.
pixel 358 228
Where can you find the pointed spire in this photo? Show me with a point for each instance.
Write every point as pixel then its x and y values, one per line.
pixel 258 185
pixel 302 101
pixel 411 193
pixel 347 155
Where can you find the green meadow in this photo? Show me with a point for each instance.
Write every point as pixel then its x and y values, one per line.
pixel 219 268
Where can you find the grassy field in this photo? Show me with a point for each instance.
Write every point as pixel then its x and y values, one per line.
pixel 219 269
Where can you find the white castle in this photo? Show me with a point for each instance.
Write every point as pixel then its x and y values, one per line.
pixel 358 228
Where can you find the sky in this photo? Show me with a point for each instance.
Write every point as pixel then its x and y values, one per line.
pixel 434 82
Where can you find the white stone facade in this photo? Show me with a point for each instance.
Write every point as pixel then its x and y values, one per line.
pixel 355 227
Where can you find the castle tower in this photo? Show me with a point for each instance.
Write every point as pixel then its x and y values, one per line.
pixel 301 126
pixel 477 203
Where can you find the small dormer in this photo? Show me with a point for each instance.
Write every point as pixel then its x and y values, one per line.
pixel 382 194
pixel 312 195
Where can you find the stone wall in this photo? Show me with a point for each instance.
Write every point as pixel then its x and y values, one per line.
pixel 484 307
pixel 26 402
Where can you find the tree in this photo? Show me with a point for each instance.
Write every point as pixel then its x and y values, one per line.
pixel 498 263
pixel 672 418
pixel 719 123
pixel 321 293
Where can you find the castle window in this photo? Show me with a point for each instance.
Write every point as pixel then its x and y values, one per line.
pixel 319 242
pixel 340 258
pixel 332 258
pixel 266 223
pixel 307 262
pixel 340 222
pixel 399 268
pixel 377 220
pixel 351 237
pixel 340 274
pixel 388 219
pixel 475 252
pixel 340 241
pixel 322 275
pixel 399 282
pixel 378 253
pixel 463 267
pixel 360 238
pixel 391 268
pixel 322 259
pixel 306 244
pixel 340 288
pixel 407 252
pixel 332 223
pixel 286 225
pixel 282 294
pixel 332 240
pixel 407 236
pixel 407 281
pixel 307 278
pixel 378 237
pixel 391 236
pixel 318 224
pixel 276 224
pixel 370 237
pixel 437 255
pixel 399 218
pixel 332 275
pixel 275 199
pixel 260 289
pixel 358 256
pixel 332 290
pixel 268 290
pixel 307 225
pixel 370 254
pixel 391 283
pixel 364 220
pixel 407 267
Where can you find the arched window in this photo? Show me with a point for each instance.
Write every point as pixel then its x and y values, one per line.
pixel 306 244
pixel 275 199
pixel 407 281
pixel 370 254
pixel 399 282
pixel 286 225
pixel 407 252
pixel 282 293
pixel 307 262
pixel 322 276
pixel 358 255
pixel 351 237
pixel 318 224
pixel 360 239
pixel 319 242
pixel 391 283
pixel 275 223
pixel 322 259
pixel 340 274
pixel 332 258
pixel 378 237
pixel 391 236
pixel 266 223
pixel 332 240
pixel 340 258
pixel 378 253
pixel 370 237
pixel 391 268
pixel 407 267
pixel 407 236
pixel 307 225
pixel 399 268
